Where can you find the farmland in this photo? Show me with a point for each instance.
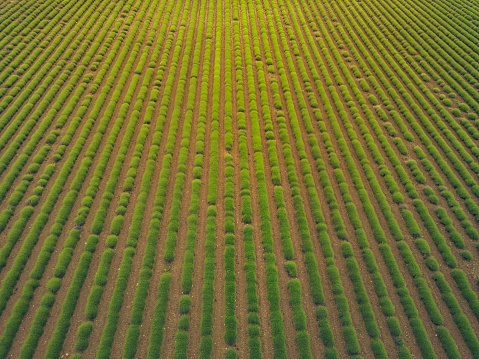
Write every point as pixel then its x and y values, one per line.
pixel 258 178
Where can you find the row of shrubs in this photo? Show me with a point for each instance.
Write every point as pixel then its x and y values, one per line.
pixel 206 342
pixel 37 70
pixel 181 338
pixel 133 331
pixel 56 341
pixel 389 185
pixel 230 320
pixel 409 117
pixel 48 246
pixel 434 133
pixel 325 329
pixel 447 247
pixel 272 284
pixel 17 45
pixel 254 343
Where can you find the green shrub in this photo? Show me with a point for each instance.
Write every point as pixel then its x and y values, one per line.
pixel 352 344
pixel 83 335
pixel 184 322
pixel 456 112
pixel 54 285
pixel 184 305
pixel 302 338
pixel 111 241
pixel 373 100
pixel 466 255
pixel 448 343
pixel 432 263
pixel 291 269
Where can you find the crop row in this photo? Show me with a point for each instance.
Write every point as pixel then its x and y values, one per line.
pixel 181 338
pixel 206 343
pixel 33 236
pixel 134 233
pixel 294 286
pixel 276 318
pixel 348 132
pixel 428 169
pixel 384 81
pixel 103 270
pixel 230 320
pixel 28 150
pixel 156 335
pixel 434 133
pixel 58 337
pixel 246 207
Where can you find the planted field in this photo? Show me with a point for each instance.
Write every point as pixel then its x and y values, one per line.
pixel 259 178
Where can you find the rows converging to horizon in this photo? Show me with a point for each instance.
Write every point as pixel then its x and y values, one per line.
pixel 260 178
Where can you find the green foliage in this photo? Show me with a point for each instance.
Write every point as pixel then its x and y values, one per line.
pixel 184 306
pixel 291 269
pixel 466 255
pixel 83 335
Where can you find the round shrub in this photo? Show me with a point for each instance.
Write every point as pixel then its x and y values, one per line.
pixel 33 200
pixel 398 197
pixel 111 241
pixel 253 318
pixel 394 326
pixel 253 331
pixel 422 246
pixel 447 102
pixel 433 199
pixel 466 255
pixel 432 264
pixel 184 322
pixel 373 100
pixel 230 354
pixel 184 306
pixel 54 284
pixel 48 300
pixel 463 107
pixel 428 191
pixel 425 77
pixel 456 112
pixel 291 269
